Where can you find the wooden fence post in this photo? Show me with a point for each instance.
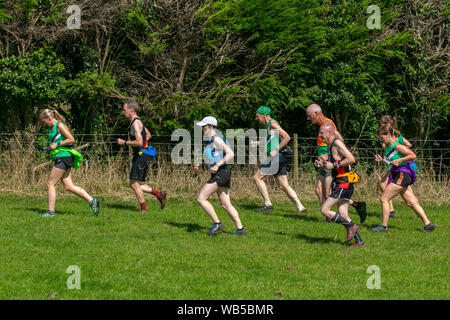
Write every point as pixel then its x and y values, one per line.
pixel 295 156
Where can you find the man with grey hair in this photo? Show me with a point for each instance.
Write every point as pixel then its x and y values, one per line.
pixel 315 115
pixel 339 162
pixel 142 155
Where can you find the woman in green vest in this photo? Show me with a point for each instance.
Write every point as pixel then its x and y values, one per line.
pixel 60 138
pixel 392 122
pixel 401 178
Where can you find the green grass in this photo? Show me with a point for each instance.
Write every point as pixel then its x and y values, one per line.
pixel 168 254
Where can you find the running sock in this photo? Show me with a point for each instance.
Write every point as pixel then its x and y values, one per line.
pixel 91 202
pixel 143 206
pixel 338 219
pixel 358 238
pixel 353 204
pixel 156 193
pixel 348 224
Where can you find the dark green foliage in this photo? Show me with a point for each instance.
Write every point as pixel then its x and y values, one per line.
pixel 185 60
pixel 28 84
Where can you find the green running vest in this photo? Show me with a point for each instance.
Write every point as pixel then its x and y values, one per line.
pixel 52 133
pixel 272 140
pixel 390 154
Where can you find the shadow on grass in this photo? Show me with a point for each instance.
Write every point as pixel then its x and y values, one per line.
pixel 39 211
pixel 249 207
pixel 308 218
pixel 374 214
pixel 190 227
pixel 311 239
pixel 390 227
pixel 120 206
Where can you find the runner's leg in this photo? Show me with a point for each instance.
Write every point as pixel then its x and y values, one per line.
pixel 319 186
pixel 326 207
pixel 284 185
pixel 262 188
pixel 69 186
pixel 225 201
pixel 136 187
pixel 53 178
pixel 202 198
pixel 412 201
pixel 390 192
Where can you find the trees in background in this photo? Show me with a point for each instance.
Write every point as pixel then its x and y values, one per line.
pixel 188 58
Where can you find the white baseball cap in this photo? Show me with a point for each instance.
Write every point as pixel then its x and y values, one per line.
pixel 207 120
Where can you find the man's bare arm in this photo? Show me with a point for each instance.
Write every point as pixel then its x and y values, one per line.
pixel 137 134
pixel 338 135
pixel 283 134
pixel 346 156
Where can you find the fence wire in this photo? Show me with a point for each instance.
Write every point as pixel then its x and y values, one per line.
pixel 432 153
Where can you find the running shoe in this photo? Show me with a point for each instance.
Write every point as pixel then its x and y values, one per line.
pixel 215 228
pixel 361 210
pixel 429 227
pixel 380 228
pixel 143 211
pixel 162 199
pixel 48 214
pixel 265 208
pixel 351 231
pixel 95 206
pixel 304 211
pixel 241 232
pixel 392 214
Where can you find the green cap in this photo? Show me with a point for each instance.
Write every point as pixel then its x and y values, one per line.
pixel 263 110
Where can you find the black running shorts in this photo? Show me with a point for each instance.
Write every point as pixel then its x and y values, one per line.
pixel 222 177
pixel 402 179
pixel 341 193
pixel 274 166
pixel 324 172
pixel 139 167
pixel 63 163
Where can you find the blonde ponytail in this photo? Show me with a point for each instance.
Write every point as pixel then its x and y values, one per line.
pixel 50 113
pixel 58 116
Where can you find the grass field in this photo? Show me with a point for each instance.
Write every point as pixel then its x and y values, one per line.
pixel 168 255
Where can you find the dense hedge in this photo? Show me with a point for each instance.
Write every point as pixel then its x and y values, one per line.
pixel 186 59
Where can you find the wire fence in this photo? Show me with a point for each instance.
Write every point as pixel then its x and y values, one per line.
pixel 434 154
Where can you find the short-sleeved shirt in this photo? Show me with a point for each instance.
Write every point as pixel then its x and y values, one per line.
pixel 322 146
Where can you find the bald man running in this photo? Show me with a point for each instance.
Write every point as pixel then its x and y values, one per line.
pixel 339 162
pixel 315 115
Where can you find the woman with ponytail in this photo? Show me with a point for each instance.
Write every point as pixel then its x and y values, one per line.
pixel 401 178
pixel 60 138
pixel 391 123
